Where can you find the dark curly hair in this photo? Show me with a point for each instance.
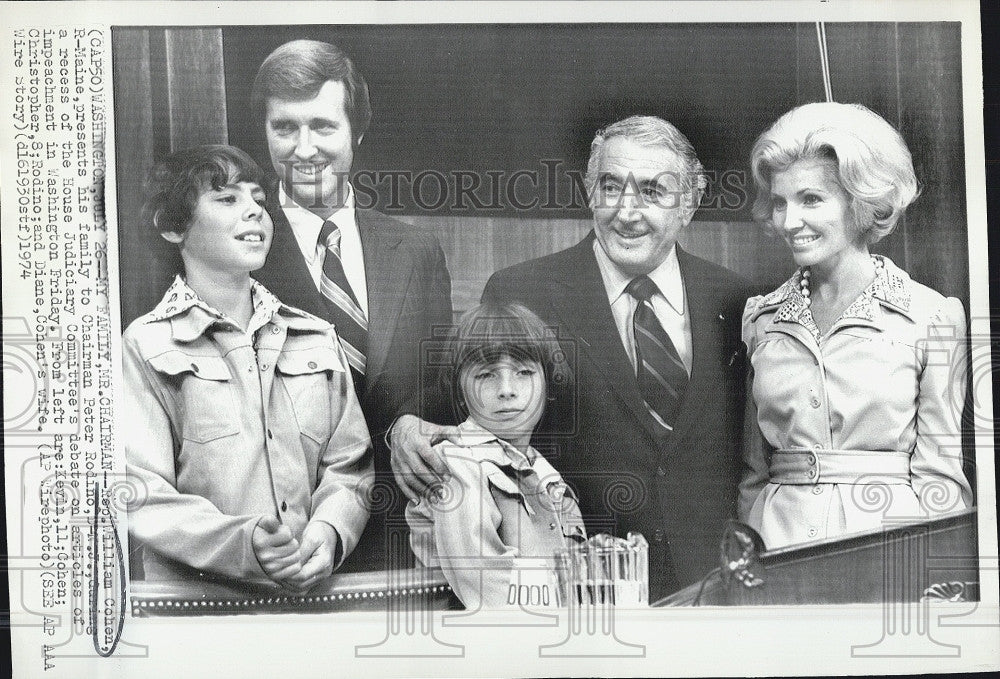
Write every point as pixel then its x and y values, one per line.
pixel 175 182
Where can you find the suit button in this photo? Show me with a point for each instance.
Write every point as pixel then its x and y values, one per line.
pixel 814 402
pixel 194 367
pixel 658 535
pixel 660 471
pixel 552 525
pixel 269 434
pixel 284 506
pixel 312 365
pixel 817 490
pixel 812 532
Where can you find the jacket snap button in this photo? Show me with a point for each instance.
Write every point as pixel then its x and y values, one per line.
pixel 812 473
pixel 812 532
pixel 817 490
pixel 275 330
pixel 811 459
pixel 263 366
pixel 312 365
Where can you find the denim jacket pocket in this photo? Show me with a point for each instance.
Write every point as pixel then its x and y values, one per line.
pixel 205 393
pixel 504 489
pixel 305 375
pixel 309 360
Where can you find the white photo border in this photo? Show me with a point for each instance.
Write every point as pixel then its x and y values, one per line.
pixel 774 640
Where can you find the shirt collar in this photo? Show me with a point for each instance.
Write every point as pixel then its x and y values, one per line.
pixel 265 307
pixel 190 316
pixel 889 289
pixel 667 277
pixel 502 454
pixel 306 225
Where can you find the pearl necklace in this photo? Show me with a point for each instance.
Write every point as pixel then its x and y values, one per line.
pixel 804 279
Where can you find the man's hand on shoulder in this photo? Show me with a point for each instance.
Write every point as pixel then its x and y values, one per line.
pixel 415 463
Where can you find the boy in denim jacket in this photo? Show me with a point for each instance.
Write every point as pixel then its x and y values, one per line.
pixel 244 437
pixel 504 502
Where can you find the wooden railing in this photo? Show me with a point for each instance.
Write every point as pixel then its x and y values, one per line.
pixel 375 590
pixel 934 559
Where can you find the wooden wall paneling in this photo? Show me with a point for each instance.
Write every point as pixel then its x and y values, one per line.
pixel 887 67
pixel 169 94
pixel 506 97
pixel 133 144
pixel 937 223
pixel 808 73
pixel 864 67
pixel 468 249
pixel 741 247
pixel 931 122
pixel 475 247
pixel 197 87
pixel 521 239
pixel 133 147
pixel 767 71
pixel 146 262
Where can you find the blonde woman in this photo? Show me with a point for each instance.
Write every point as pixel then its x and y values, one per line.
pixel 856 369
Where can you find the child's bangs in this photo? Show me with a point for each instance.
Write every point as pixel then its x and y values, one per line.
pixel 485 353
pixel 225 170
pixel 493 337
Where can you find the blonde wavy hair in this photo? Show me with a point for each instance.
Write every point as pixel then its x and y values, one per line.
pixel 873 163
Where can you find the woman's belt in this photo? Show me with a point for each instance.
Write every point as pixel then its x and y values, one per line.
pixel 809 466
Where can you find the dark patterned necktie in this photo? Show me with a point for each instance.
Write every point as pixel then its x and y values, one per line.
pixel 659 368
pixel 352 326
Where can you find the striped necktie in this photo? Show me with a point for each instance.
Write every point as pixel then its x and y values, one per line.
pixel 659 369
pixel 352 326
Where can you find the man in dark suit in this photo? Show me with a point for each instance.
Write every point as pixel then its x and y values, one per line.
pixel 654 336
pixel 383 283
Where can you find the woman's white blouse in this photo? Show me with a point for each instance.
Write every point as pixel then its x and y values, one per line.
pixel 860 427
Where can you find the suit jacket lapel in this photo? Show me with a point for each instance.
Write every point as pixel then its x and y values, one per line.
pixel 705 328
pixel 583 308
pixel 285 273
pixel 388 279
pixel 288 277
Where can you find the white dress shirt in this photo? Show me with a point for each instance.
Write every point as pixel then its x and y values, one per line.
pixel 306 227
pixel 669 304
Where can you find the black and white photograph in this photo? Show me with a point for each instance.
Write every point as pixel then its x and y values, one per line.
pixel 434 334
pixel 475 172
